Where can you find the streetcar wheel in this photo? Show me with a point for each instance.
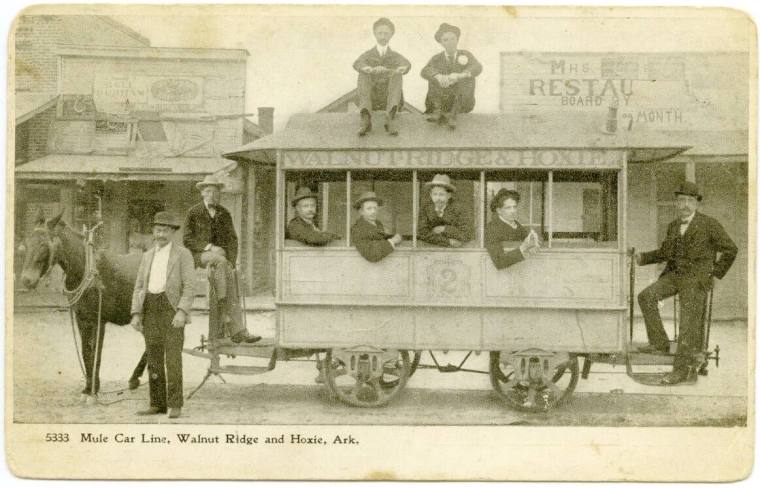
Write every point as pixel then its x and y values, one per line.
pixel 360 387
pixel 528 395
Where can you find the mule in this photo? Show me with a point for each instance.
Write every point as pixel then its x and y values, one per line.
pixel 53 242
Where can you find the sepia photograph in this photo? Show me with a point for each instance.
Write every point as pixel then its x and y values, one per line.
pixel 381 242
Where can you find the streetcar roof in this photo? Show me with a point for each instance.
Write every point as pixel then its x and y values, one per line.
pixel 581 130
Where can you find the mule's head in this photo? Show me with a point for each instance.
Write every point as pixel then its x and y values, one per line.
pixel 40 247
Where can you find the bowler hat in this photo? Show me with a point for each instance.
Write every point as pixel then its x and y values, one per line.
pixel 384 21
pixel 501 195
pixel 210 180
pixel 689 188
pixel 367 196
pixel 444 28
pixel 440 180
pixel 301 193
pixel 166 218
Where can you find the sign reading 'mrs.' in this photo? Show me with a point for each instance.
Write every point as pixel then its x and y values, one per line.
pixel 679 91
pixel 474 158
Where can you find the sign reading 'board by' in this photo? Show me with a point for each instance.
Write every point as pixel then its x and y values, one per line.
pixel 675 91
pixel 465 158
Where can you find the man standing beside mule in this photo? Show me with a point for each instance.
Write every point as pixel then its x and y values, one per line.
pixel 161 303
pixel 211 237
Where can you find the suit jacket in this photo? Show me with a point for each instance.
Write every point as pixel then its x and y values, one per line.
pixel 370 240
pixel 439 65
pixel 391 60
pixel 693 255
pixel 180 276
pixel 497 231
pixel 201 230
pixel 302 231
pixel 456 225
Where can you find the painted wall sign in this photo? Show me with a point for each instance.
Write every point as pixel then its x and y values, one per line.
pixel 679 91
pixel 475 158
pixel 120 94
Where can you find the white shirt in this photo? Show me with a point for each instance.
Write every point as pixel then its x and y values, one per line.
pixel 442 209
pixel 511 224
pixel 381 49
pixel 211 210
pixel 157 277
pixel 685 225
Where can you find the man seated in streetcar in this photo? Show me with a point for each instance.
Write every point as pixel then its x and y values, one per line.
pixel 441 220
pixel 368 234
pixel 696 249
pixel 302 227
pixel 451 79
pixel 505 227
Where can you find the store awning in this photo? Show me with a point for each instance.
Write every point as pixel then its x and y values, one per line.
pixel 28 105
pixel 582 130
pixel 97 167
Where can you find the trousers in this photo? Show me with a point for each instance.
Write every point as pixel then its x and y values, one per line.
pixel 692 295
pixel 163 345
pixel 383 93
pixel 224 298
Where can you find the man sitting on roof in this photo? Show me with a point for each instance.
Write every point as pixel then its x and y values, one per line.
pixel 451 79
pixel 379 84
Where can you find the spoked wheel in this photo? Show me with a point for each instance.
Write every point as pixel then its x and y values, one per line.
pixel 365 377
pixel 534 380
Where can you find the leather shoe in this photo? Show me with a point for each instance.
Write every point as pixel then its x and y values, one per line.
pixel 174 413
pixel 434 116
pixel 245 336
pixel 673 378
pixel 390 127
pixel 152 411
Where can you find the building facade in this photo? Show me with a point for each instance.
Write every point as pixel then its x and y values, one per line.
pixel 701 98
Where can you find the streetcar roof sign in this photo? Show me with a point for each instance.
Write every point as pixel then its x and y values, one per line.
pixel 582 130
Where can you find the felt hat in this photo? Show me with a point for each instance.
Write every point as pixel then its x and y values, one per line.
pixel 367 196
pixel 689 188
pixel 166 218
pixel 440 180
pixel 210 180
pixel 301 193
pixel 444 28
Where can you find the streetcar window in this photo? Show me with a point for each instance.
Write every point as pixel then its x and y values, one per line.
pixel 395 189
pixel 584 209
pixel 531 187
pixel 330 212
pixel 460 213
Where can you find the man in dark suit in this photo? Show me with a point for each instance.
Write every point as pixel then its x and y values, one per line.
pixel 368 234
pixel 441 220
pixel 302 227
pixel 380 79
pixel 211 237
pixel 690 248
pixel 161 303
pixel 451 79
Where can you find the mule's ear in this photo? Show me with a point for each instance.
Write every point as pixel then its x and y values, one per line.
pixel 53 223
pixel 40 218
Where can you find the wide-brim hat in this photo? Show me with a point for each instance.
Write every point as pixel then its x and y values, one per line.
pixel 689 188
pixel 166 218
pixel 442 181
pixel 301 193
pixel 367 196
pixel 210 180
pixel 444 28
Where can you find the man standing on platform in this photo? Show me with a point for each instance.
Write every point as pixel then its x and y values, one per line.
pixel 379 84
pixel 696 249
pixel 211 237
pixel 161 303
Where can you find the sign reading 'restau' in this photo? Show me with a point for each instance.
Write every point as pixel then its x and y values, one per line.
pixel 465 158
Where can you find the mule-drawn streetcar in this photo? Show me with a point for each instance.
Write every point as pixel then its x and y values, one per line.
pixel 368 321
